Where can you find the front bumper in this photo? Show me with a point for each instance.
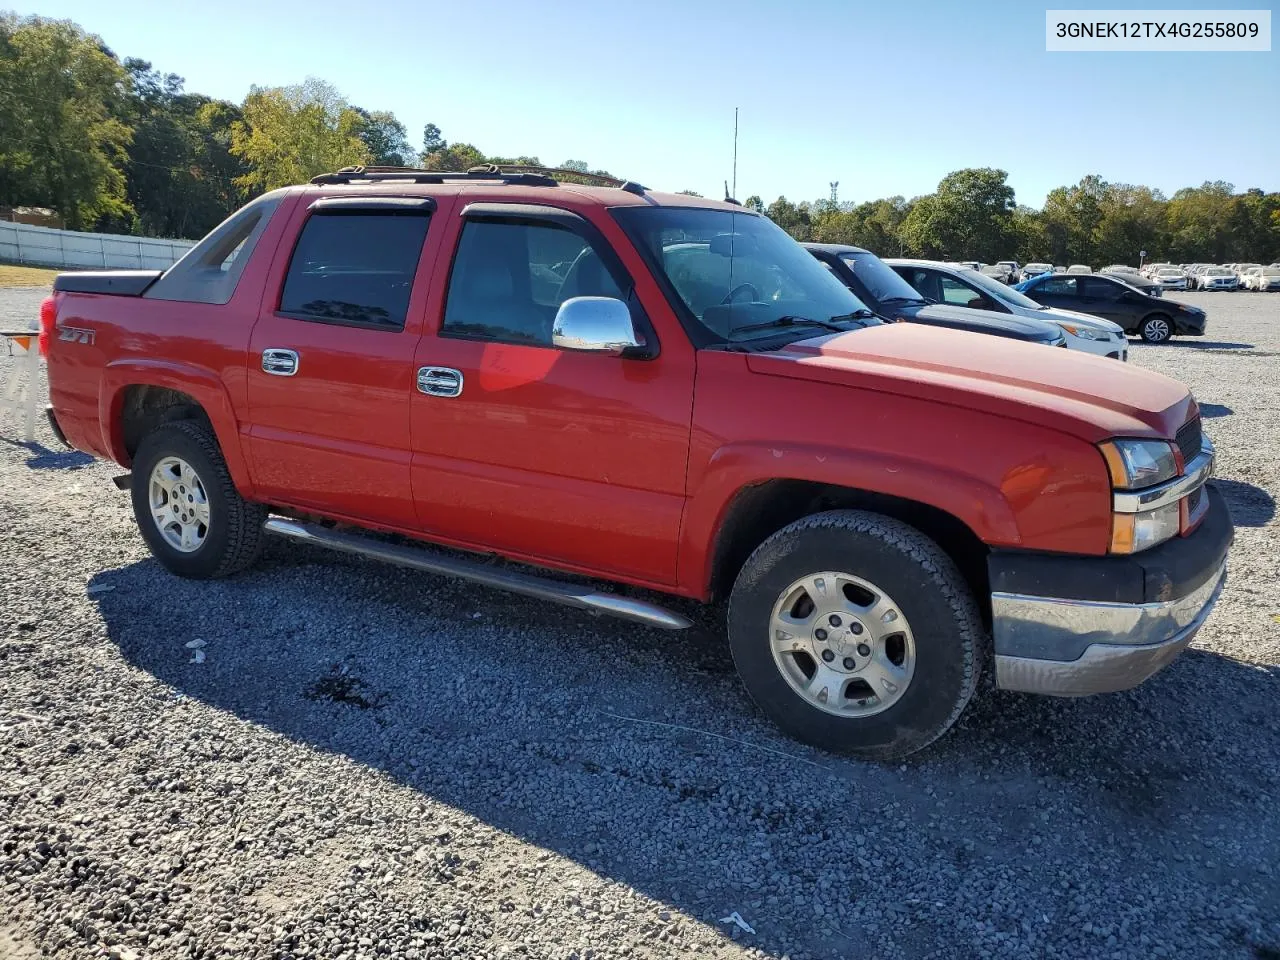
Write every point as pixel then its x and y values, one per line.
pixel 1073 626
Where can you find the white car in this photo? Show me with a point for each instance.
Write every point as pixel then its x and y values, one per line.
pixel 1263 279
pixel 1151 269
pixel 1243 269
pixel 1171 278
pixel 1120 269
pixel 1079 268
pixel 1217 278
pixel 1034 270
pixel 961 287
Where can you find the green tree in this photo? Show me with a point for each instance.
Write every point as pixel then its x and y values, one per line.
pixel 64 143
pixel 454 157
pixel 432 140
pixel 386 138
pixel 291 134
pixel 1132 219
pixel 791 218
pixel 181 174
pixel 970 217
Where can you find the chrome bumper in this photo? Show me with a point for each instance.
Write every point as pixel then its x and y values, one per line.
pixel 1111 646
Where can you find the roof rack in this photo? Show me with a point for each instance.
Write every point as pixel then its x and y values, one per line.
pixel 520 174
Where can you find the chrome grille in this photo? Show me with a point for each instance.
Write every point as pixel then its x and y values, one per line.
pixel 1188 440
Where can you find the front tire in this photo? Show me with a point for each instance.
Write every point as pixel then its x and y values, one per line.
pixel 1156 328
pixel 856 633
pixel 187 507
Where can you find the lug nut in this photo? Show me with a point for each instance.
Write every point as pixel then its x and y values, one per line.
pixel 855 628
pixel 820 634
pixel 833 620
pixel 850 663
pixel 828 656
pixel 864 650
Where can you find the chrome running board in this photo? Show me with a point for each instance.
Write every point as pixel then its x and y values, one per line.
pixel 542 588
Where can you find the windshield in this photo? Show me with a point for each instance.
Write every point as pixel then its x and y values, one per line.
pixel 1038 267
pixel 1218 272
pixel 879 279
pixel 998 291
pixel 1270 271
pixel 737 271
pixel 1170 273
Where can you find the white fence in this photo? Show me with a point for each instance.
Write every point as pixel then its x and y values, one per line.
pixel 46 247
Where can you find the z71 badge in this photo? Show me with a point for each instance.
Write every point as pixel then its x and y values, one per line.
pixel 75 334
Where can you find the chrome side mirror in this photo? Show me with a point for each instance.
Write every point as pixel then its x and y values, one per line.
pixel 595 324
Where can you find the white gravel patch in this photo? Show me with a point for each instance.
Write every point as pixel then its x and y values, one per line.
pixel 368 762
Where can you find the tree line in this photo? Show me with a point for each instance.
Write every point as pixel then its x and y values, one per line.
pixel 115 145
pixel 973 216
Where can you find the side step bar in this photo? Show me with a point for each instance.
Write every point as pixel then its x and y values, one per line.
pixel 542 588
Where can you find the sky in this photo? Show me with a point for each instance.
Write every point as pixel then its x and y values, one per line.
pixel 884 97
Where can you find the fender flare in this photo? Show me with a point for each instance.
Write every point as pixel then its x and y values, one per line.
pixel 736 467
pixel 200 383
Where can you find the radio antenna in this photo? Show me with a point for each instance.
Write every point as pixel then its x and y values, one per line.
pixel 735 153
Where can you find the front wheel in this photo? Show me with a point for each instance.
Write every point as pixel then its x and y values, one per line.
pixel 187 507
pixel 1156 329
pixel 856 633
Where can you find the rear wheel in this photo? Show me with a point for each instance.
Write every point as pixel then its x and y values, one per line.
pixel 1156 328
pixel 856 633
pixel 187 507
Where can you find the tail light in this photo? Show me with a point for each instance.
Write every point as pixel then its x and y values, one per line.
pixel 48 314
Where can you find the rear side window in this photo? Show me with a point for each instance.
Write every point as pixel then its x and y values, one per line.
pixel 510 277
pixel 355 268
pixel 1101 289
pixel 957 293
pixel 1057 287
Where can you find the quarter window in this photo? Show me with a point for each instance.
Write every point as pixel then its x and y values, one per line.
pixel 510 277
pixel 355 268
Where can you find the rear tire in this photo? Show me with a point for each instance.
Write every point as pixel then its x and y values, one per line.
pixel 1156 328
pixel 856 633
pixel 187 507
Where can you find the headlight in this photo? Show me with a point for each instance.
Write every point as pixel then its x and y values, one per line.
pixel 1132 532
pixel 1135 464
pixel 1085 333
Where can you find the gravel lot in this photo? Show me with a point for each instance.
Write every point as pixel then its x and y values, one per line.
pixel 375 763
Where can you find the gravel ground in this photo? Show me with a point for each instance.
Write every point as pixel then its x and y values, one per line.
pixel 369 762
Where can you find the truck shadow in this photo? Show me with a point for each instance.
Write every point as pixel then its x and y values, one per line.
pixel 1250 505
pixel 43 458
pixel 629 750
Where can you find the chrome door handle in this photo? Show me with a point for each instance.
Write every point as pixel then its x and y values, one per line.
pixel 279 362
pixel 439 381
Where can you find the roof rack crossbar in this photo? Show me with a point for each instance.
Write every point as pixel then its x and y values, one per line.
pixel 520 174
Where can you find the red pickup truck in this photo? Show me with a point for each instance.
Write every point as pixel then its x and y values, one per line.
pixel 663 392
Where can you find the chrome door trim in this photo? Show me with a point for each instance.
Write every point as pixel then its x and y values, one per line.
pixel 279 362
pixel 440 381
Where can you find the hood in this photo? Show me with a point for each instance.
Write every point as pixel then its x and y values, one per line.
pixel 1083 320
pixel 983 321
pixel 1073 392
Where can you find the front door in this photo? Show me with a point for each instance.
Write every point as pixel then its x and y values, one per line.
pixel 576 459
pixel 1058 291
pixel 330 368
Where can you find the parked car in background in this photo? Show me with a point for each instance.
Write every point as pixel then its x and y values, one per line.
pixel 1059 269
pixel 1034 270
pixel 1014 269
pixel 1263 279
pixel 1079 268
pixel 997 271
pixel 875 284
pixel 1242 270
pixel 1151 269
pixel 1120 268
pixel 1216 278
pixel 968 264
pixel 968 288
pixel 1152 318
pixel 1171 278
pixel 696 408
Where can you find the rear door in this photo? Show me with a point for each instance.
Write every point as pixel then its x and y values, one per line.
pixel 573 458
pixel 1101 297
pixel 330 366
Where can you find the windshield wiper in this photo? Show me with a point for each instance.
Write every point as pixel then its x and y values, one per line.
pixel 904 300
pixel 790 320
